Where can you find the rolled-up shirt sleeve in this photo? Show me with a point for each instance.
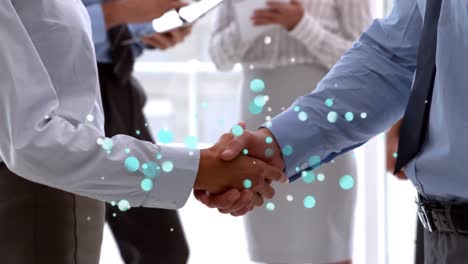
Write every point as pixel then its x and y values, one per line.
pixel 364 94
pixel 47 134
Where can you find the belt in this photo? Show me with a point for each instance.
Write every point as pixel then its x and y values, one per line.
pixel 441 217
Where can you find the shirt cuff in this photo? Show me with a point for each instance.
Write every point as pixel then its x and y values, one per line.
pixel 307 26
pixel 98 23
pixel 176 177
pixel 302 143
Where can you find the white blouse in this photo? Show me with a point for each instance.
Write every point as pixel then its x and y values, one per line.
pixel 327 29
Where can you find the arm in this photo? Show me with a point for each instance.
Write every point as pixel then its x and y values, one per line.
pixel 374 77
pixel 45 138
pixel 225 43
pixel 327 46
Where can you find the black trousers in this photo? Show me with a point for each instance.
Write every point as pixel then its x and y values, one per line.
pixel 144 235
pixel 43 225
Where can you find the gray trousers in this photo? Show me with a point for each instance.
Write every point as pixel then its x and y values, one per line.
pixel 445 248
pixel 42 225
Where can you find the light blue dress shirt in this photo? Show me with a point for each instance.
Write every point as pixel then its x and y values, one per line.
pixel 100 39
pixel 374 79
pixel 51 117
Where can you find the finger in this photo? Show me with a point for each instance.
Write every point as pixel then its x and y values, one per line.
pixel 176 35
pixel 258 200
pixel 235 146
pixel 263 22
pixel 271 173
pixel 265 190
pixel 244 210
pixel 278 7
pixel 153 43
pixel 220 201
pixel 242 124
pixel 401 175
pixel 246 198
pixel 266 14
pixel 158 40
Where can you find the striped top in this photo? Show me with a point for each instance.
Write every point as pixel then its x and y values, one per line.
pixel 327 29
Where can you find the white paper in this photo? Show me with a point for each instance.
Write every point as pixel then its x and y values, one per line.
pixel 244 11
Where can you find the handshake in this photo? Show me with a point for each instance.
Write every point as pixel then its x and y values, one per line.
pixel 235 174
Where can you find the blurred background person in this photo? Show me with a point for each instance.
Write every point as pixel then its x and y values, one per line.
pixel 143 235
pixel 391 142
pixel 289 60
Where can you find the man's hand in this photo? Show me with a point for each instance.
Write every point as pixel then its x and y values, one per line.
pixel 392 149
pixel 234 202
pixel 287 15
pixel 216 176
pixel 260 144
pixel 118 12
pixel 257 145
pixel 167 40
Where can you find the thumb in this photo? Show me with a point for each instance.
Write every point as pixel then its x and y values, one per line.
pixel 233 148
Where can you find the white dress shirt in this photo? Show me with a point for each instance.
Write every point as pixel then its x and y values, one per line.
pixel 51 116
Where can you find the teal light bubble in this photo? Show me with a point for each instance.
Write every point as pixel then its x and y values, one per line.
pixel 167 166
pixel 191 142
pixel 395 155
pixel 308 176
pixel 204 105
pixel 257 85
pixel 287 150
pixel 237 130
pixel 127 150
pixel 114 215
pixel 363 115
pixel 159 156
pixel 109 152
pixel 332 117
pixel 107 144
pixel 269 152
pixel 146 185
pixel 296 108
pixel 132 164
pixel 247 184
pixel 165 136
pixel 329 102
pixel 268 140
pixel 268 124
pixel 270 206
pixel 314 161
pixel 245 151
pixel 320 177
pixel 152 170
pixel 346 182
pixel 260 100
pixel 138 132
pixel 144 166
pixel 113 203
pixel 124 205
pixel 309 202
pixel 254 109
pixel 349 116
pixel 302 116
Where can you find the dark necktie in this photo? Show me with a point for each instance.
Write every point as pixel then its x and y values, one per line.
pixel 415 122
pixel 122 56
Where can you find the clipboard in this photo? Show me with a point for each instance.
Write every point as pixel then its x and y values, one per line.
pixel 173 19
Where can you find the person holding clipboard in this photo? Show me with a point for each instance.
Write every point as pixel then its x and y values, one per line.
pixel 285 48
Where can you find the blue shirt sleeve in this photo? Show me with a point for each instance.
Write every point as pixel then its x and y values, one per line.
pixel 100 39
pixel 364 94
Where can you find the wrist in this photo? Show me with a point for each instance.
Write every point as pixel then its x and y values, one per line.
pixel 206 161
